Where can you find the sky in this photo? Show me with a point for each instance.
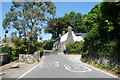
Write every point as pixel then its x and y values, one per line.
pixel 61 9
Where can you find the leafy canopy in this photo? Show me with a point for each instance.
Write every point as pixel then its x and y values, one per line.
pixel 28 18
pixel 57 25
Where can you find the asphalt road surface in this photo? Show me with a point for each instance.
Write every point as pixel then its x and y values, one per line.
pixel 56 65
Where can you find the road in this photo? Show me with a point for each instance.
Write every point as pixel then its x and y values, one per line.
pixel 56 65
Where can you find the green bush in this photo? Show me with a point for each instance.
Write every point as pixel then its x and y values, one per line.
pixel 113 69
pixel 41 50
pixel 82 59
pixel 117 71
pixel 4 40
pixel 95 62
pixel 75 47
pixel 6 49
pixel 36 47
pixel 24 46
pixel 48 44
pixel 14 55
pixel 9 50
pixel 19 45
pixel 89 62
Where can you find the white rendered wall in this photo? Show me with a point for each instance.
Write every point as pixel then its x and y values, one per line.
pixel 64 37
pixel 77 38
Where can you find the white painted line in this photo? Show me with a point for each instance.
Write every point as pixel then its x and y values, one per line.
pixel 32 68
pixel 69 69
pixel 29 71
pixel 87 68
pixel 57 64
pixel 41 62
pixel 18 74
pixel 100 70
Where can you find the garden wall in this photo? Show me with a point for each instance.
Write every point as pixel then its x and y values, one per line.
pixel 104 60
pixel 3 59
pixel 30 58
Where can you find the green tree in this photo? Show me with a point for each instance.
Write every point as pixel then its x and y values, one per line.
pixel 48 44
pixel 102 27
pixel 28 18
pixel 57 25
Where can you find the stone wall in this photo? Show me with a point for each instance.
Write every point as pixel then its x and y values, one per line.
pixel 30 58
pixel 3 59
pixel 105 60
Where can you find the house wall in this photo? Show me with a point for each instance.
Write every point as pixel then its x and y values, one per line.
pixel 64 38
pixel 69 37
pixel 56 44
pixel 77 38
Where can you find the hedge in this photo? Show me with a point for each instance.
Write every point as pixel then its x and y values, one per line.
pixel 75 47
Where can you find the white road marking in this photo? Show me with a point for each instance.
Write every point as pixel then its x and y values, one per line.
pixel 100 70
pixel 29 71
pixel 42 61
pixel 69 68
pixel 17 74
pixel 97 69
pixel 57 64
pixel 32 68
pixel 50 64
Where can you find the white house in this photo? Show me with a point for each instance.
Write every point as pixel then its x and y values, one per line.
pixel 69 37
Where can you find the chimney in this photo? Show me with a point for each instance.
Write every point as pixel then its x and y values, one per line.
pixel 69 29
pixel 63 32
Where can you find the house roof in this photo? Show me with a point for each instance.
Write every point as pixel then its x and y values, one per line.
pixel 10 44
pixel 8 41
pixel 65 36
pixel 80 34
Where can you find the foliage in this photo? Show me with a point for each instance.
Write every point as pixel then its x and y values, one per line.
pixel 57 25
pixel 6 49
pixel 82 59
pixel 4 40
pixel 21 47
pixel 48 44
pixel 75 47
pixel 102 27
pixel 28 19
pixel 12 54
pixel 103 34
pixel 41 49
